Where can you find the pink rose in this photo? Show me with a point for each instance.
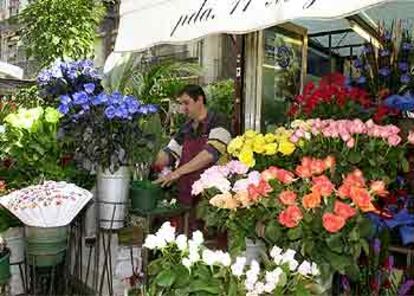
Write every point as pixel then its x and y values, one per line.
pixel 394 140
pixel 351 143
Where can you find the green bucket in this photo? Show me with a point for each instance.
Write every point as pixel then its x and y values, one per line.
pixel 5 268
pixel 45 247
pixel 144 195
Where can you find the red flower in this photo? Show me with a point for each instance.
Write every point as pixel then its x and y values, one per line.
pixel 333 223
pixel 288 197
pixel 322 185
pixel 290 217
pixel 261 190
pixel 362 199
pixel 311 200
pixel 344 210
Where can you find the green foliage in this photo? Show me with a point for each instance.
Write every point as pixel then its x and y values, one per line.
pixel 54 29
pixel 220 96
pixel 27 97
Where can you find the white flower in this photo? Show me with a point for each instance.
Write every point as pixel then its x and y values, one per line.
pixel 289 254
pixel 273 277
pixel 198 237
pixel 181 242
pixel 209 257
pixel 252 293
pixel 225 259
pixel 315 269
pixel 151 242
pixel 308 135
pixel 293 264
pixel 161 242
pixel 305 268
pixel 260 287
pixel 289 258
pixel 194 256
pixel 254 266
pixel 276 251
pixel 187 262
pixel 238 267
pixel 166 232
pixel 269 287
pixel 173 202
pixel 2 129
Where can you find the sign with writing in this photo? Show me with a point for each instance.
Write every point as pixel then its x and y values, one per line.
pixel 145 23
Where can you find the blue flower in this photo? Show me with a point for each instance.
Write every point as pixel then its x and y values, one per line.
pixel 63 108
pixel 121 112
pixel 132 105
pixel 358 63
pixel 65 99
pixel 80 98
pixel 405 79
pixel 403 66
pixel 89 87
pixel 152 108
pixel 110 112
pixel 72 74
pixel 403 103
pixel 44 77
pixel 385 53
pixel 361 80
pixel 143 109
pixel 115 98
pixel 57 72
pixel 100 99
pixel 385 72
pixel 407 46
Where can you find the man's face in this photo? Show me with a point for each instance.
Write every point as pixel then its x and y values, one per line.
pixel 190 107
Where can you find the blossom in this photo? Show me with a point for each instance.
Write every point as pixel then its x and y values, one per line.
pixel 209 257
pixel 311 200
pixel 237 167
pixel 322 185
pixel 238 267
pixel 332 223
pixel 362 199
pixel 224 201
pixel 288 197
pixel 344 210
pixel 181 242
pixel 198 237
pixel 290 217
pixel 186 262
pixel 286 147
pixel 305 268
pixel 378 188
pixel 261 190
pixel 243 198
pixel 151 242
pixel 246 157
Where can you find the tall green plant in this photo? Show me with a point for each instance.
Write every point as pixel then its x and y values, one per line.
pixel 220 96
pixel 54 29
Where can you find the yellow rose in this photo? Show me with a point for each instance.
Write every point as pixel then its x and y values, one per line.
pixel 286 147
pixel 270 138
pixel 258 144
pixel 250 134
pixel 270 149
pixel 235 145
pixel 246 156
pixel 248 144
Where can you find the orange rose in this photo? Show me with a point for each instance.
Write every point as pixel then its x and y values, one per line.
pixel 261 190
pixel 330 162
pixel 290 217
pixel 303 172
pixel 311 200
pixel 333 223
pixel 317 167
pixel 344 191
pixel 288 197
pixel 269 174
pixel 378 188
pixel 322 185
pixel 344 210
pixel 356 178
pixel 362 199
pixel 285 176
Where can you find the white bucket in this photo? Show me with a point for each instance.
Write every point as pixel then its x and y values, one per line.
pixel 15 242
pixel 113 191
pixel 254 250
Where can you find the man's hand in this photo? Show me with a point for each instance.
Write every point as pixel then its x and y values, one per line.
pixel 167 180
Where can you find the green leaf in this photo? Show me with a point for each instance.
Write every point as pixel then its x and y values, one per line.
pixel 335 243
pixel 273 231
pixel 405 165
pixel 210 286
pixel 166 278
pixel 295 233
pixel 354 157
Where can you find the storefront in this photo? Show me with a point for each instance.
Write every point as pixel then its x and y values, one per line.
pixel 292 42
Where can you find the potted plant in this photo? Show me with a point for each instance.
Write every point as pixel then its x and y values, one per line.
pixel 105 131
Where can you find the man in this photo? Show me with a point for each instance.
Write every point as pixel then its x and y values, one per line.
pixel 199 144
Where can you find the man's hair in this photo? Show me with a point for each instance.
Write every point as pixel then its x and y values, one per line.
pixel 194 91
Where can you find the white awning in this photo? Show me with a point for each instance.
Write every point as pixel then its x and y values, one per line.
pixel 145 23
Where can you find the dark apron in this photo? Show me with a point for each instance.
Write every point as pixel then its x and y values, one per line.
pixel 190 149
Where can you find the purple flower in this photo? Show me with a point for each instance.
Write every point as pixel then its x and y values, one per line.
pixel 405 79
pixel 89 87
pixel 345 284
pixel 405 288
pixel 407 46
pixel 121 112
pixel 72 74
pixel 403 66
pixel 100 99
pixel 63 108
pixel 115 98
pixel 110 112
pixel 387 36
pixel 385 53
pixel 385 72
pixel 80 98
pixel 358 63
pixel 366 49
pixel 377 246
pixel 132 105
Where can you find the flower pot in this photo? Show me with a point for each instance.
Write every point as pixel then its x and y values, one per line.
pixel 144 195
pixel 112 192
pixel 15 242
pixel 5 268
pixel 254 250
pixel 46 247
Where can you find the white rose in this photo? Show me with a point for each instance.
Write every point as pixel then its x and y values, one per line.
pixel 151 242
pixel 181 242
pixel 305 268
pixel 209 257
pixel 269 287
pixel 275 252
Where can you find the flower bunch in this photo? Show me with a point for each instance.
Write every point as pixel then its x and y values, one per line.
pixel 251 145
pixel 332 98
pixel 66 78
pixel 202 269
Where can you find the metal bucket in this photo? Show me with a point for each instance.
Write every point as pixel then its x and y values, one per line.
pixel 15 242
pixel 46 247
pixel 112 191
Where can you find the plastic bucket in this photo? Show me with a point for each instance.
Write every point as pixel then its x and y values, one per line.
pixel 46 247
pixel 144 195
pixel 5 268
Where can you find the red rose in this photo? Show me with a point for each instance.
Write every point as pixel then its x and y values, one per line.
pixel 288 197
pixel 344 210
pixel 290 217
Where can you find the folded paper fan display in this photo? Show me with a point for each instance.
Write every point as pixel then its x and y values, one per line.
pixel 50 204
